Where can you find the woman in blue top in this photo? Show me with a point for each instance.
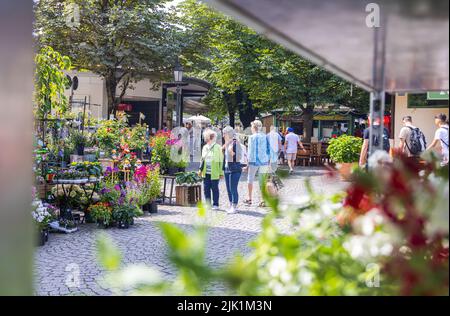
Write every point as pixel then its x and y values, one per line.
pixel 258 156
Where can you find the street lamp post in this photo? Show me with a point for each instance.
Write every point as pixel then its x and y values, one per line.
pixel 178 76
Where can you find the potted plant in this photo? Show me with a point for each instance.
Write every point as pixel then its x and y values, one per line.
pixel 79 141
pixel 123 215
pixel 101 213
pixel 188 189
pixel 160 144
pixel 41 217
pixel 50 175
pixel 172 168
pixel 138 139
pixel 345 151
pixel 154 187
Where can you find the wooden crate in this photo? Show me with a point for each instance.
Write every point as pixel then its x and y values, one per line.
pixel 43 189
pixel 188 195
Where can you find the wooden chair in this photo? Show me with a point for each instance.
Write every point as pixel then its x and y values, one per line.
pixel 316 153
pixel 303 158
pixel 325 157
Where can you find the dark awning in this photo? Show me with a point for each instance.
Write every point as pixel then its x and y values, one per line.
pixel 334 35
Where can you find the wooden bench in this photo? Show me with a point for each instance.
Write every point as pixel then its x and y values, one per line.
pixel 304 157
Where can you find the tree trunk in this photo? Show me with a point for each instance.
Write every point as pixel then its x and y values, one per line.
pixel 230 108
pixel 247 113
pixel 308 116
pixel 111 85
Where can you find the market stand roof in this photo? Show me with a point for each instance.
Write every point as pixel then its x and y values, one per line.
pixel 334 34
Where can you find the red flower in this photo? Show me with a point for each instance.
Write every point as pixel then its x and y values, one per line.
pixel 398 184
pixel 358 199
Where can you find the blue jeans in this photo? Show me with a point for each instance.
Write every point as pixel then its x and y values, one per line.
pixel 232 181
pixel 211 185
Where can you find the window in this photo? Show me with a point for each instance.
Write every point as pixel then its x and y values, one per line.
pixel 420 100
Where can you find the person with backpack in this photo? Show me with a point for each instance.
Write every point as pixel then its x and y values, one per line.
pixel 412 140
pixel 441 136
pixel 364 155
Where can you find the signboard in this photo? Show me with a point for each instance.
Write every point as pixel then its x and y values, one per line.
pixel 437 95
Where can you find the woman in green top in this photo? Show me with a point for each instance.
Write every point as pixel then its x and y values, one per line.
pixel 211 168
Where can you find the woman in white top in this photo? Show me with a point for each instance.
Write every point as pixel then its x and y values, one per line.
pixel 441 136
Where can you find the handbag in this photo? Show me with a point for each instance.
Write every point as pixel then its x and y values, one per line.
pixel 202 162
pixel 276 181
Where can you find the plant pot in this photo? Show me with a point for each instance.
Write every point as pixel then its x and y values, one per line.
pixel 123 224
pixel 42 237
pixel 345 170
pixel 171 171
pixel 50 177
pixel 80 150
pixel 101 224
pixel 153 207
pixel 88 218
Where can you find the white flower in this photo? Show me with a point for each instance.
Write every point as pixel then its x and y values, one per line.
pixel 366 224
pixel 367 247
pixel 379 158
pixel 305 277
pixel 276 266
pixel 302 200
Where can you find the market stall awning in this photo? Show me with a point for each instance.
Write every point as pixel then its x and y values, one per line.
pixel 334 34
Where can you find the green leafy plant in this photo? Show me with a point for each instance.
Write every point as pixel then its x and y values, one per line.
pixel 187 178
pixel 51 82
pixel 92 168
pixel 101 213
pixel 150 185
pixel 123 214
pixel 160 150
pixel 138 139
pixel 345 149
pixel 109 133
pixel 78 139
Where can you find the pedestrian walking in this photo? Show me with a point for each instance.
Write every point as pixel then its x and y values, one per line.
pixel 441 136
pixel 258 157
pixel 291 143
pixel 412 140
pixel 211 167
pixel 364 154
pixel 233 155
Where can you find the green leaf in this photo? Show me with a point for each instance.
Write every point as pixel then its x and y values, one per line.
pixel 107 254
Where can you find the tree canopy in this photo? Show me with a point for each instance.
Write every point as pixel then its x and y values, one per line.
pixel 118 40
pixel 251 73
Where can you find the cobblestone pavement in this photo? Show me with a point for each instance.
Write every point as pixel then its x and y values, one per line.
pixel 66 255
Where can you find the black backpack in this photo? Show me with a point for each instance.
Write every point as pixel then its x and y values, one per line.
pixel 386 144
pixel 417 143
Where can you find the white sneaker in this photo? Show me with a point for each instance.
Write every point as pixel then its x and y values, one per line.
pixel 231 210
pixel 215 208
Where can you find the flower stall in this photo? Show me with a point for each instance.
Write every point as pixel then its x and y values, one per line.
pixel 109 189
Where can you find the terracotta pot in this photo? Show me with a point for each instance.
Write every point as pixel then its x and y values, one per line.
pixel 50 177
pixel 345 170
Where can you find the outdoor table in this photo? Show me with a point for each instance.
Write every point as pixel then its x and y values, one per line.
pixel 67 213
pixel 172 184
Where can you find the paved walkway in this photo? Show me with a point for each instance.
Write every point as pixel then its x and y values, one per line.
pixel 66 254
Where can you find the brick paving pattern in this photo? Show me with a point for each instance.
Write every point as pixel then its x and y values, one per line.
pixel 142 243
